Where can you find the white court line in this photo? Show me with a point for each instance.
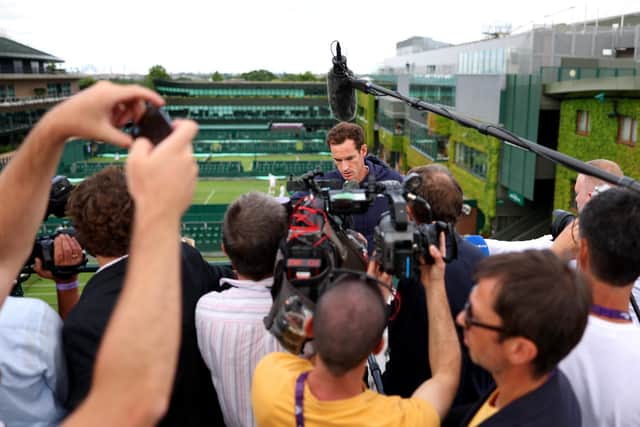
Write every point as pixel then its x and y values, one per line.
pixel 210 196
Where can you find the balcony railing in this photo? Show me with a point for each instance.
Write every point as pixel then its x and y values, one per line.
pixel 13 101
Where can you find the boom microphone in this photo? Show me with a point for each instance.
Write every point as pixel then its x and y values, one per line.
pixel 342 95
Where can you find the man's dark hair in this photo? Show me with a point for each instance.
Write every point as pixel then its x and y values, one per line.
pixel 539 298
pixel 441 190
pixel 253 226
pixel 343 131
pixel 101 210
pixel 610 223
pixel 348 323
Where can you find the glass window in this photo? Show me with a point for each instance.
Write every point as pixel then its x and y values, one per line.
pixel 627 130
pixel 583 124
pixel 471 159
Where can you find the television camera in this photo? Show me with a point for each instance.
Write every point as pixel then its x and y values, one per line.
pixel 320 244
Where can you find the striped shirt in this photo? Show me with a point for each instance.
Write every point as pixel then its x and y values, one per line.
pixel 232 339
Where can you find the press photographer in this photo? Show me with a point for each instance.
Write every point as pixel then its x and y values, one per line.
pixel 407 367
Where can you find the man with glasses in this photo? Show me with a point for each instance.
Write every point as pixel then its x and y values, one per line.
pixel 526 313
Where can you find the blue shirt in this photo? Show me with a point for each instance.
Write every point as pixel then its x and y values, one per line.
pixel 33 376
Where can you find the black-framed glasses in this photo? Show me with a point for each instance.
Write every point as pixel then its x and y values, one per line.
pixel 469 321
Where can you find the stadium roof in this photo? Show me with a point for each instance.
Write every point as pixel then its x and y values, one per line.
pixel 13 49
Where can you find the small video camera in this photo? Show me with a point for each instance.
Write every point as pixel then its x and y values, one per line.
pixel 155 125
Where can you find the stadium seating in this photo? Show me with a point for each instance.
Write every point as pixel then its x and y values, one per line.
pixel 263 167
pixel 220 169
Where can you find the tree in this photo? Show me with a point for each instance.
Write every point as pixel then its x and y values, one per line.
pixel 258 76
pixel 217 77
pixel 156 72
pixel 86 82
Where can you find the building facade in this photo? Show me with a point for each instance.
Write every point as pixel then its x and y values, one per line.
pixel 504 81
pixel 30 84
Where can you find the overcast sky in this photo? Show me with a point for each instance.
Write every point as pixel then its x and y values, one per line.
pixel 127 36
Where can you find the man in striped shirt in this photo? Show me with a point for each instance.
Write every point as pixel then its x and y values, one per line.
pixel 231 335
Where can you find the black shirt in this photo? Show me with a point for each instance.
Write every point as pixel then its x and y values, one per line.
pixel 194 401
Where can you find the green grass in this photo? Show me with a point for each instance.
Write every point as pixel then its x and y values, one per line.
pixel 224 191
pixel 45 289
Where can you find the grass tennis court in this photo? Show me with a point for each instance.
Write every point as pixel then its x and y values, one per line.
pixel 225 191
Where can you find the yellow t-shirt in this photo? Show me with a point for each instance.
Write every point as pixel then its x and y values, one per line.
pixel 273 396
pixel 486 410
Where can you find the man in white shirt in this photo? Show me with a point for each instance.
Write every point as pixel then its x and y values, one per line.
pixel 231 334
pixel 603 366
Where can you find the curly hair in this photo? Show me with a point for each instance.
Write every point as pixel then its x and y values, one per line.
pixel 343 131
pixel 101 210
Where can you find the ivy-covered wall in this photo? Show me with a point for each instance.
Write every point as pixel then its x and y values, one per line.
pixel 394 143
pixel 484 191
pixel 416 158
pixel 599 144
pixel 438 124
pixel 366 116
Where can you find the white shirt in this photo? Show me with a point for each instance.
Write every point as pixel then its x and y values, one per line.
pixel 502 246
pixel 232 339
pixel 33 372
pixel 603 370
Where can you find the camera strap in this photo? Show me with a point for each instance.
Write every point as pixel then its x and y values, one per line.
pixel 299 408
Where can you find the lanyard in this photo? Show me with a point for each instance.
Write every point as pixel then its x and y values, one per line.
pixel 610 313
pixel 299 409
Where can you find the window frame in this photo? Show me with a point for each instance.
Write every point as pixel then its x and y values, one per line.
pixel 579 115
pixel 633 131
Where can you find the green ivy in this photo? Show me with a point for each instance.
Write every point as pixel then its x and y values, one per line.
pixel 484 191
pixel 438 124
pixel 599 144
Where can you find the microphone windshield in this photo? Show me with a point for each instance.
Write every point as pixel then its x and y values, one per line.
pixel 342 95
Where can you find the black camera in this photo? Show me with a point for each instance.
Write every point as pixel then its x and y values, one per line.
pixel 43 249
pixel 155 125
pixel 400 243
pixel 561 219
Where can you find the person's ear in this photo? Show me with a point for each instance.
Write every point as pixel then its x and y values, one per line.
pixel 379 347
pixel 583 255
pixel 363 150
pixel 520 350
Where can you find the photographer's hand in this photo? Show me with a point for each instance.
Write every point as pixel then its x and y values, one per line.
pixel 374 270
pixel 146 320
pixel 444 348
pixel 565 246
pixel 100 111
pixel 67 252
pixel 94 113
pixel 434 273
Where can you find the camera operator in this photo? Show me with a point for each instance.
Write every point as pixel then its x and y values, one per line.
pixel 347 326
pixel 407 367
pixel 349 151
pixel 102 211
